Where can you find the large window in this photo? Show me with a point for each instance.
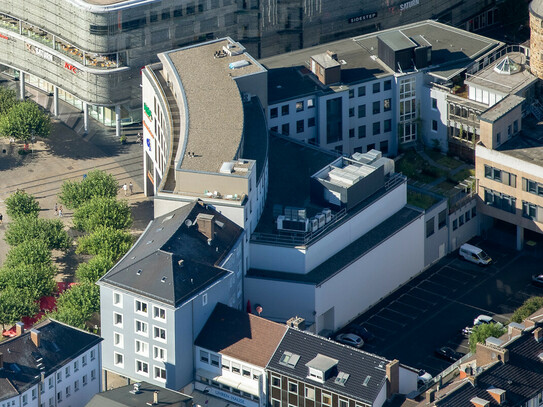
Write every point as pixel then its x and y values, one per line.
pixel 142 368
pixel 142 348
pixel 159 353
pixel 408 110
pixel 532 211
pixel 361 111
pixel 159 313
pixel 376 107
pixel 141 307
pixel 532 186
pixel 160 373
pixel 141 327
pixel 501 201
pixel 442 219
pixel 500 176
pixel 159 334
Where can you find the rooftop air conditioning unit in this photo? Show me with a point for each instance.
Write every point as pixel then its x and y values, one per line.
pixel 322 219
pixel 327 214
pixel 294 225
pixel 314 224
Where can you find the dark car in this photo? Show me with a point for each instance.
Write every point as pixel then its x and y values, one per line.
pixel 360 331
pixel 537 280
pixel 448 354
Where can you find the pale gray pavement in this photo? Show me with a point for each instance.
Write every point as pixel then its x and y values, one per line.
pixel 67 155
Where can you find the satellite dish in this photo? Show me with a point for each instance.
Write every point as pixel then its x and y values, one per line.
pixel 188 223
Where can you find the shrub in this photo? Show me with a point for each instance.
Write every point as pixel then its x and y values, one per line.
pixel 22 204
pixel 530 306
pixel 483 331
pixel 97 183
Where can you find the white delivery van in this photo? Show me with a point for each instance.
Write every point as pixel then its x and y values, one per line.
pixel 474 254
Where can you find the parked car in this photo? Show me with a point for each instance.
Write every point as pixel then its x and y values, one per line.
pixel 359 330
pixel 424 378
pixel 474 254
pixel 537 280
pixel 350 339
pixel 448 354
pixel 481 319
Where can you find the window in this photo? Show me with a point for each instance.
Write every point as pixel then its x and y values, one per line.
pixel 351 112
pixel 284 110
pixel 460 220
pixel 334 118
pixel 84 360
pixel 76 385
pixel 118 299
pixel 455 224
pixel 430 227
pixel 473 212
pixel 387 85
pixel 434 103
pixel 387 125
pixel 67 371
pixel 84 380
pixel 275 403
pixel 515 126
pixel 311 122
pixel 141 327
pixel 326 399
pixel 299 126
pixel 25 399
pixel 376 107
pixel 310 103
pixel 285 129
pixel 376 128
pixel 361 111
pixel 362 131
pixel 34 394
pixel 361 91
pixel 351 93
pixel 501 201
pixel 93 374
pixel 343 403
pixel 276 381
pixel 434 125
pixel 370 147
pixel 236 368
pixel 117 320
pixel 76 364
pixel 178 12
pixel 351 133
pixel 498 137
pixel 300 106
pixel 293 387
pixel 532 187
pixel 141 307
pixel 160 374
pixel 204 356
pixel 383 146
pixel 376 87
pixel 387 105
pixel 315 374
pixel 159 353
pixel 225 364
pixel 50 382
pixel 165 14
pixel 118 359
pixel 245 372
pixel 160 333
pixel 159 313
pixel 142 368
pixel 467 215
pixel 309 392
pixel 141 348
pixel 442 219
pixel 51 402
pixel 59 396
pixel 274 113
pixel 59 377
pixel 214 360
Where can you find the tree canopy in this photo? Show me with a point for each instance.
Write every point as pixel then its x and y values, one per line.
pixel 483 331
pixel 97 184
pixel 22 204
pixel 8 99
pixel 109 243
pixel 31 252
pixel 15 304
pixel 36 280
pixel 50 231
pixel 76 305
pixel 530 306
pixel 95 268
pixel 102 211
pixel 23 120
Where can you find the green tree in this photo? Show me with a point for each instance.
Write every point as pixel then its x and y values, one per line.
pixel 97 183
pixel 107 242
pixel 95 268
pixel 15 304
pixel 102 211
pixel 36 280
pixel 22 204
pixel 76 305
pixel 31 252
pixel 483 331
pixel 23 120
pixel 8 99
pixel 50 231
pixel 530 306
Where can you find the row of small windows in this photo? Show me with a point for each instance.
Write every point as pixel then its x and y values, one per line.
pixel 499 200
pixel 464 218
pixel 60 394
pixel 500 176
pixel 228 388
pixel 285 109
pixel 228 365
pixel 140 307
pixel 141 367
pixel 376 88
pixel 532 187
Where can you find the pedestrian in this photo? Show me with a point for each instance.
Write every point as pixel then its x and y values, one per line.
pixel 125 188
pixel 1 218
pixel 131 187
pixel 60 211
pixel 56 209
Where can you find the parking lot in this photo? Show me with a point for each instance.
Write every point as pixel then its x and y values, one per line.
pixel 430 310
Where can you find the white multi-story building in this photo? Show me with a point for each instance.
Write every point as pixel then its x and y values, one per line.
pixel 157 298
pixel 51 365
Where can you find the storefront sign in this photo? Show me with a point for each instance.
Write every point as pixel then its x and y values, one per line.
pixel 231 397
pixel 409 4
pixel 39 52
pixel 70 67
pixel 149 144
pixel 363 17
pixel 147 111
pixel 148 129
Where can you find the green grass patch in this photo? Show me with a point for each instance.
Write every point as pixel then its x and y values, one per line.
pixel 462 175
pixel 420 200
pixel 416 168
pixel 443 159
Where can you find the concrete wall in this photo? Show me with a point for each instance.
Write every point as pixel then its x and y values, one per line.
pixel 373 276
pixel 436 245
pixel 460 233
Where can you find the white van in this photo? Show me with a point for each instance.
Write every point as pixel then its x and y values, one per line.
pixel 474 254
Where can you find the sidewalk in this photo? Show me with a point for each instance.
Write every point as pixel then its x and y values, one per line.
pixel 67 155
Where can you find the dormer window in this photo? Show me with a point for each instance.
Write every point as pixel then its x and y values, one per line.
pixel 316 375
pixel 321 368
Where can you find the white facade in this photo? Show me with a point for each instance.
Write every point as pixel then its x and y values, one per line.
pixel 72 384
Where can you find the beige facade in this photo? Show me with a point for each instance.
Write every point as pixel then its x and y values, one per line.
pixel 495 131
pixel 536 44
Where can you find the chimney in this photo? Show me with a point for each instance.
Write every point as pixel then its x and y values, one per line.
pixel 19 328
pixel 332 54
pixel 1 360
pixel 538 334
pixel 487 353
pixel 297 322
pixel 393 378
pixel 515 329
pixel 498 395
pixel 479 402
pixel 206 225
pixel 35 335
pixel 155 397
pixel 430 396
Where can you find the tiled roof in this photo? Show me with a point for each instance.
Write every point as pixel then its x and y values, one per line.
pixel 359 365
pixel 172 260
pixel 24 362
pixel 240 335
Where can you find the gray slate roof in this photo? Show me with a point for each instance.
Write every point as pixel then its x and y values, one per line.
pixel 24 362
pixel 358 364
pixel 125 396
pixel 152 267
